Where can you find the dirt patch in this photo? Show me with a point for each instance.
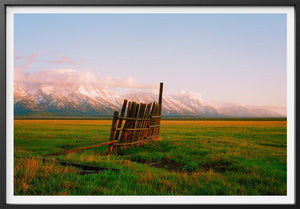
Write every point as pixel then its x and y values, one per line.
pixel 164 163
pixel 272 144
pixel 168 164
pixel 219 166
pixel 66 146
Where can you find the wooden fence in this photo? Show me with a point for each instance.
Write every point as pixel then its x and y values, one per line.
pixel 141 124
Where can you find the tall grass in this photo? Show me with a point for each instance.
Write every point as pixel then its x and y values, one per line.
pixel 200 158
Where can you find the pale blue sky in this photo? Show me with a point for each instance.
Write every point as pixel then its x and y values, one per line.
pixel 225 57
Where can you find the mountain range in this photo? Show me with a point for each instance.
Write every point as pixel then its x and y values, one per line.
pixel 88 100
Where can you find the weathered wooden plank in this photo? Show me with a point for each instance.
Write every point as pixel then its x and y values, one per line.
pixel 160 109
pixel 154 119
pixel 136 129
pixel 160 94
pixel 120 119
pixel 145 123
pixel 136 142
pixel 133 122
pixel 128 122
pixel 154 126
pixel 150 132
pixel 157 122
pixel 81 148
pixel 124 133
pixel 128 143
pixel 139 123
pixel 113 131
pixel 156 116
pixel 153 136
pixel 127 135
pixel 125 118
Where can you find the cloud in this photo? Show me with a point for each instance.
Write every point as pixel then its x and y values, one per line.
pixel 243 110
pixel 128 82
pixel 64 59
pixel 16 56
pixel 19 75
pixel 25 66
pixel 192 100
pixel 75 77
pixel 30 58
pixel 189 94
pixel 72 76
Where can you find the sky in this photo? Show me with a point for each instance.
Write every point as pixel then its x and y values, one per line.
pixel 239 58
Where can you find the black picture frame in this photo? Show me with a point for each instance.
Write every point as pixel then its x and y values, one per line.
pixel 5 3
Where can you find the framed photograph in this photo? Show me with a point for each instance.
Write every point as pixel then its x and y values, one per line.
pixel 164 103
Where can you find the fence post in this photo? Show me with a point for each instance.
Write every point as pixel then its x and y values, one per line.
pixel 113 132
pixel 160 95
pixel 160 107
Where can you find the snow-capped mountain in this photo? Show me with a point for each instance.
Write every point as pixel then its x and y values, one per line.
pixel 88 100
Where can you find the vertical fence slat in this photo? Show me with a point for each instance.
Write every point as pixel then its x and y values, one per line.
pixel 129 113
pixel 140 122
pixel 159 109
pixel 149 133
pixel 113 131
pixel 124 133
pixel 133 122
pixel 157 122
pixel 145 124
pixel 152 121
pixel 130 122
pixel 121 120
pixel 136 124
pixel 160 94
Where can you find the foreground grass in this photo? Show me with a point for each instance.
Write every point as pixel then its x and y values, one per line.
pixel 199 158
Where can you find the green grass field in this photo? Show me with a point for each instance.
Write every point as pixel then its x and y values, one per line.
pixel 209 157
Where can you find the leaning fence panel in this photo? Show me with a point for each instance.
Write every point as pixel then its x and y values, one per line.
pixel 141 123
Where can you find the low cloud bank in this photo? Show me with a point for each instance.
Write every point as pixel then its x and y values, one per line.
pixel 183 99
pixel 74 77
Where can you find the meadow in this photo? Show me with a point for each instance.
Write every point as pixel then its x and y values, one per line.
pixel 192 157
